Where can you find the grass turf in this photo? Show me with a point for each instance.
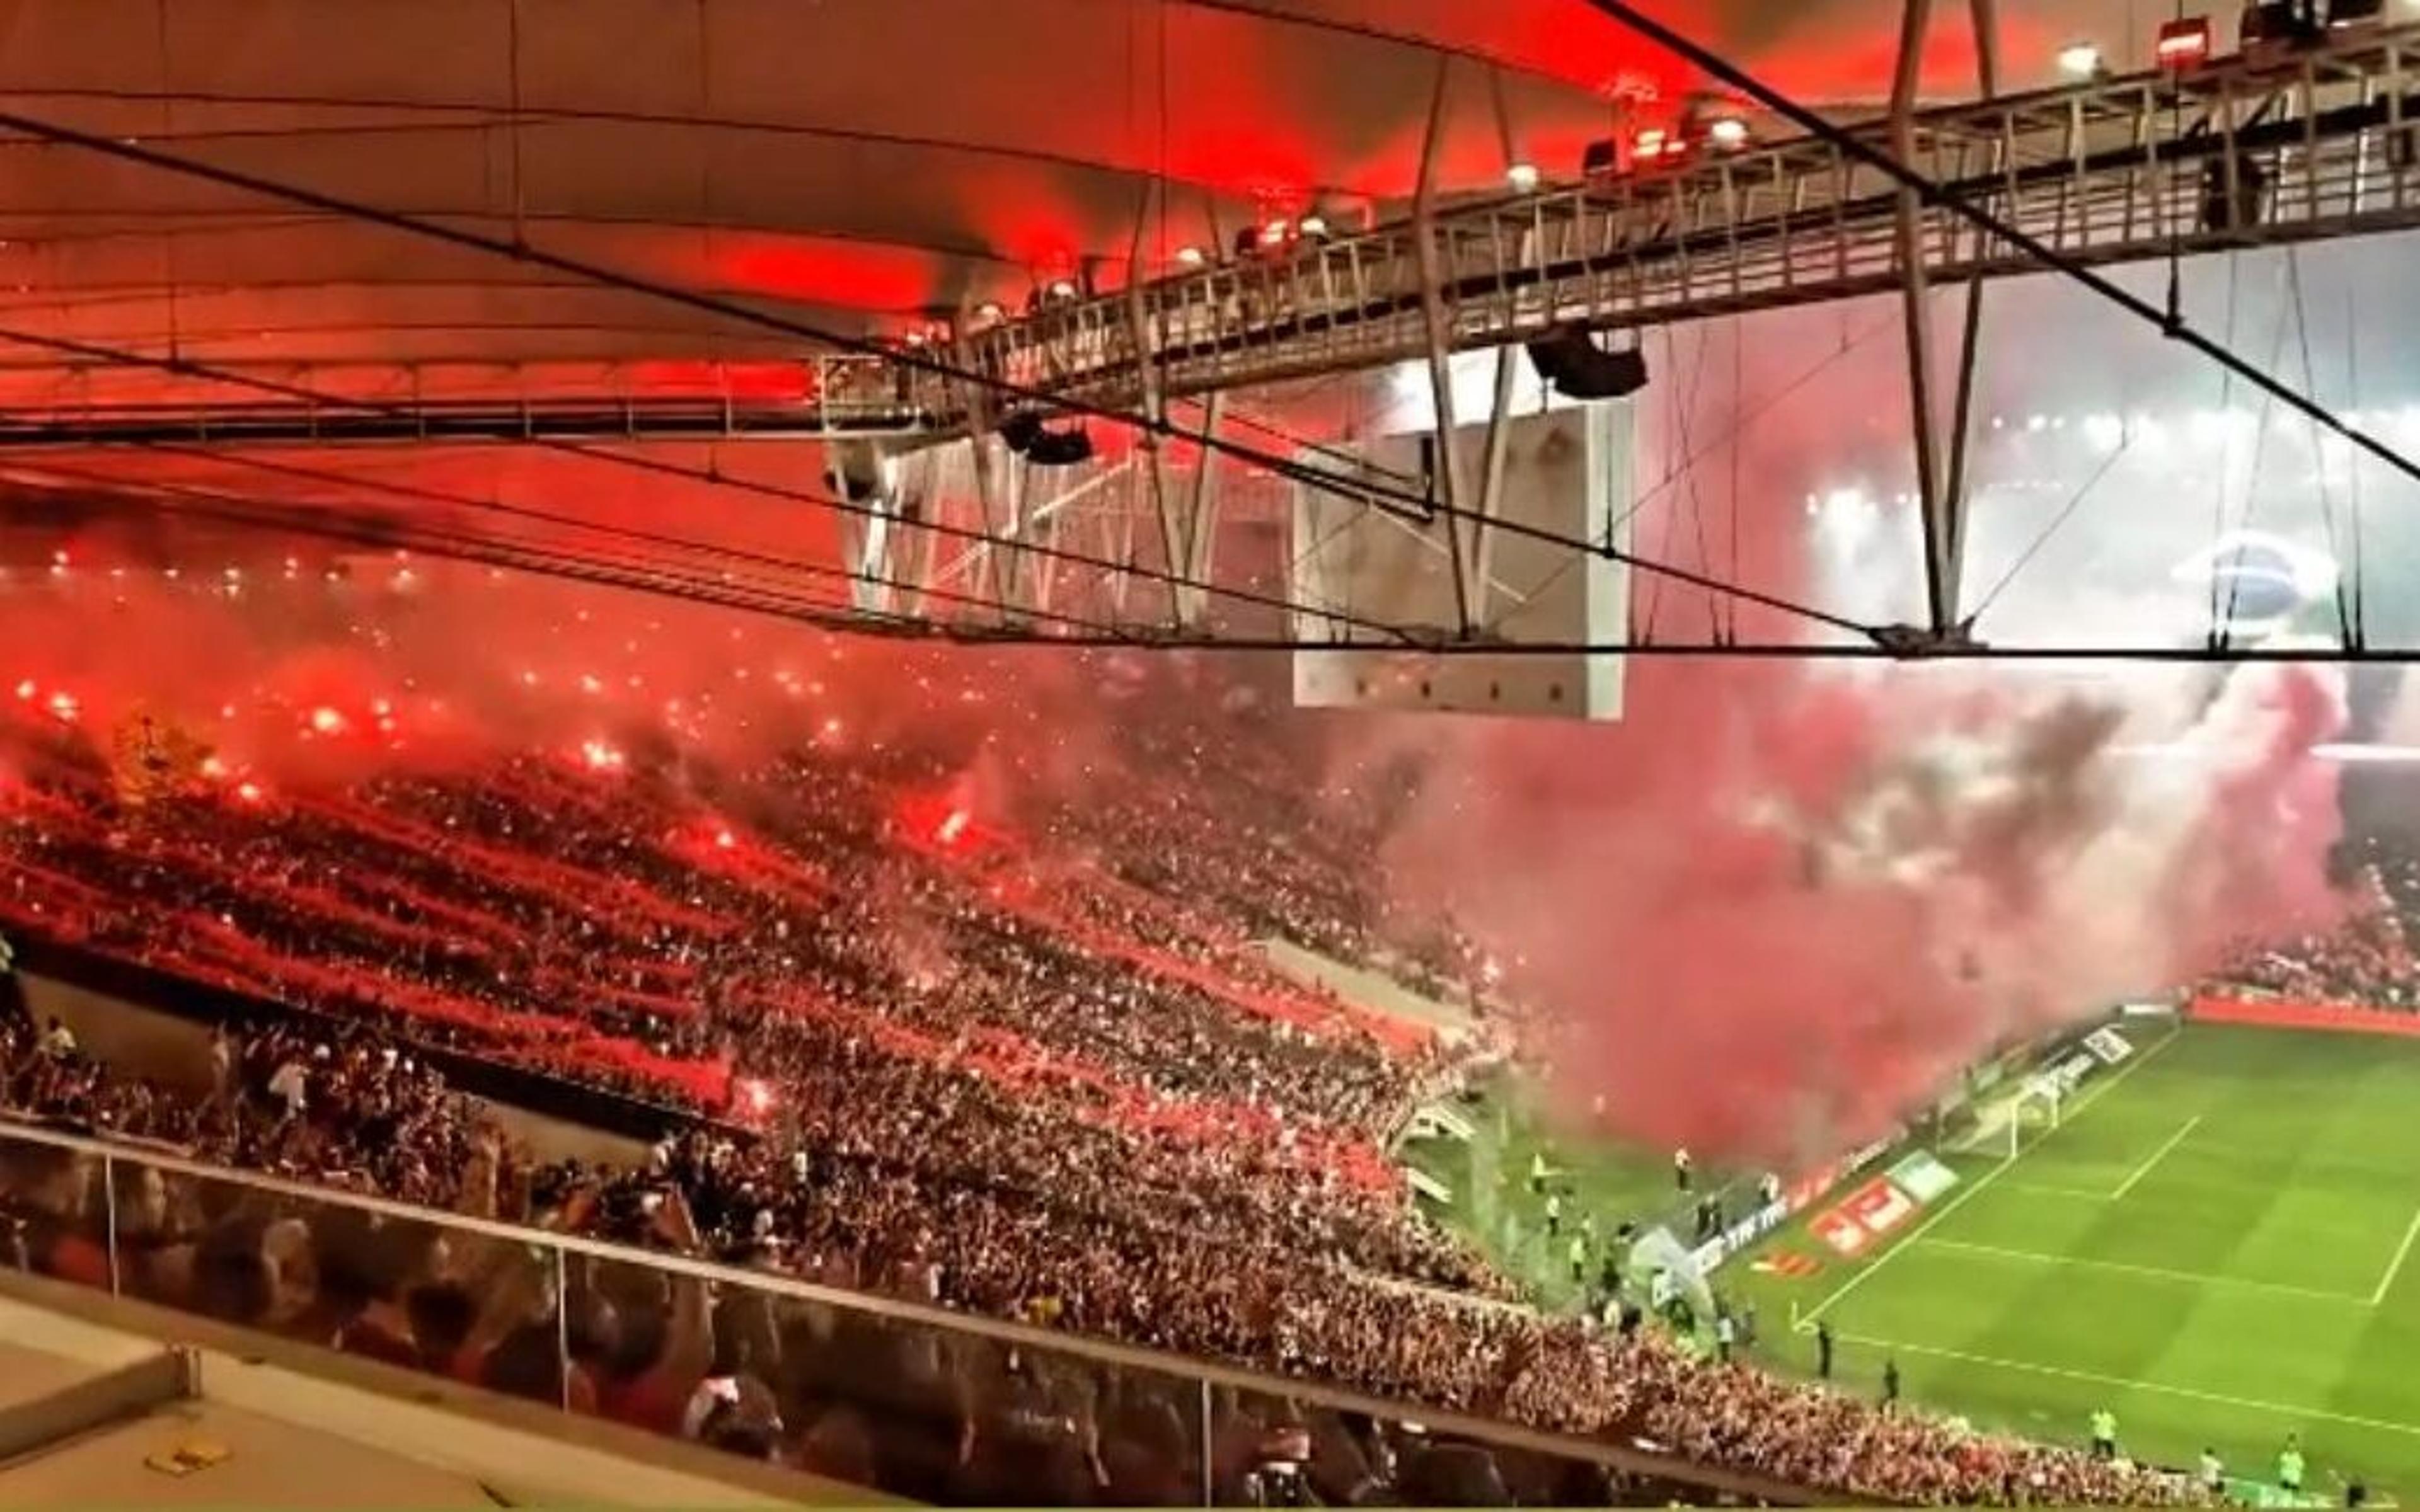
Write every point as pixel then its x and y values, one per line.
pixel 2216 1243
pixel 1489 1177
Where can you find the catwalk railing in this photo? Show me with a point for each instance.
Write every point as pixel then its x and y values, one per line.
pixel 950 1407
pixel 2244 152
pixel 2311 145
pixel 839 396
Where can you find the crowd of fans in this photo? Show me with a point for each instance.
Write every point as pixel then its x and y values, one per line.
pixel 2364 960
pixel 1040 1076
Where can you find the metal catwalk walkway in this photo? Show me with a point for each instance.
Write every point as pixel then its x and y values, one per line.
pixel 2314 146
pixel 2309 146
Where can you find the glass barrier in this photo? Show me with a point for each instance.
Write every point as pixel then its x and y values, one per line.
pixel 891 1396
pixel 1270 1451
pixel 899 1406
pixel 472 1307
pixel 55 1205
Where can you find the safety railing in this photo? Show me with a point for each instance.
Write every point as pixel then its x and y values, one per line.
pixel 905 1399
pixel 2246 151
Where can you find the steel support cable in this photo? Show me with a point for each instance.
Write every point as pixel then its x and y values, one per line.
pixel 710 549
pixel 2174 327
pixel 2318 452
pixel 2225 628
pixel 1418 507
pixel 188 367
pixel 2042 539
pixel 310 523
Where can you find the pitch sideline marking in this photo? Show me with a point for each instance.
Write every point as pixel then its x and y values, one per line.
pixel 2123 1382
pixel 2041 1188
pixel 2161 1273
pixel 1807 1321
pixel 2158 1155
pixel 2395 1266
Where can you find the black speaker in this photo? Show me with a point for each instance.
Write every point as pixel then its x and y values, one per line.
pixel 1060 448
pixel 1020 431
pixel 1567 359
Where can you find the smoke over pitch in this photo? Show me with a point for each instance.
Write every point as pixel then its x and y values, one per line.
pixel 1779 904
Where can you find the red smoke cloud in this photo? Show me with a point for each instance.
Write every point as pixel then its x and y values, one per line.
pixel 1779 906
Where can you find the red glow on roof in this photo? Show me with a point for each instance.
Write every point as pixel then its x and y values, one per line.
pixel 825 271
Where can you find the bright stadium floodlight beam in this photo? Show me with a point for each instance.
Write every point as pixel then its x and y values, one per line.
pixel 2080 60
pixel 1523 176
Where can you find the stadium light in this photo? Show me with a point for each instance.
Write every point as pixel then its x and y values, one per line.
pixel 990 310
pixel 1314 227
pixel 2183 44
pixel 1523 176
pixel 1729 131
pixel 1190 256
pixel 1063 289
pixel 2080 60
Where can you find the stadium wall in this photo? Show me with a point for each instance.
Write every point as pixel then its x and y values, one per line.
pixel 2333 1018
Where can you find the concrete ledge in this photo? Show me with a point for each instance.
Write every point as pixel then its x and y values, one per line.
pixel 118 1395
pixel 528 1453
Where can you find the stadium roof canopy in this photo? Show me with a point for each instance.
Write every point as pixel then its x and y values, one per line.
pixel 865 160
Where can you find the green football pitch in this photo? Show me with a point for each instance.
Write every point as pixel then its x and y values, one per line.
pixel 2216 1242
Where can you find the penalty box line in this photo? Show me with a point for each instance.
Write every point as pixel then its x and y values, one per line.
pixel 1807 1320
pixel 2126 1383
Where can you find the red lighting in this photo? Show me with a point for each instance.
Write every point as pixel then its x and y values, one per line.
pixel 953 825
pixel 725 840
pixel 26 688
pixel 2183 43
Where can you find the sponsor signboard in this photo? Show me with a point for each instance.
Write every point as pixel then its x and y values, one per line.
pixel 2062 1079
pixel 1847 1236
pixel 1740 1235
pixel 1922 1177
pixel 1864 1215
pixel 1880 1206
pixel 2109 1044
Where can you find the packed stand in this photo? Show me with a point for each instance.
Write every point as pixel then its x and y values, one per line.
pixel 905 1409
